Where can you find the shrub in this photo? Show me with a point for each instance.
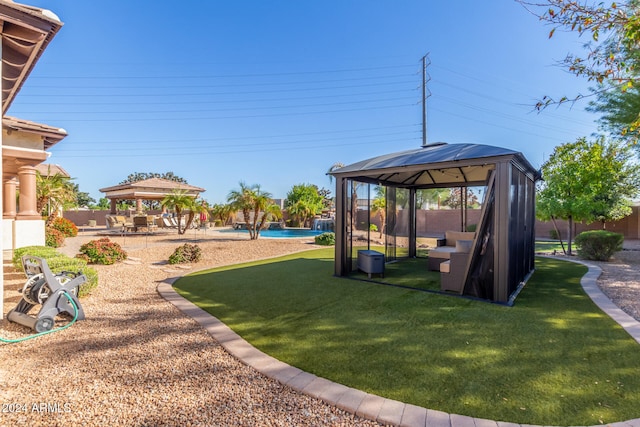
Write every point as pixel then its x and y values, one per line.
pixel 554 234
pixel 53 238
pixel 65 226
pixel 102 251
pixel 373 227
pixel 75 265
pixel 186 253
pixel 598 245
pixel 472 227
pixel 326 239
pixel 46 252
pixel 58 263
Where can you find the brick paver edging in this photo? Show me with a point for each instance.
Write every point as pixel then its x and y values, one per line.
pixel 366 405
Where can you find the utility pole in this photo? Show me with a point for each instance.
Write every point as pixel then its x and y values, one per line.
pixel 425 94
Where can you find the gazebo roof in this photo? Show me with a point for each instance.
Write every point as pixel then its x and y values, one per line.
pixel 149 189
pixel 437 164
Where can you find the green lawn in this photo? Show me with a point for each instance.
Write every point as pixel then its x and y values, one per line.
pixel 548 246
pixel 552 359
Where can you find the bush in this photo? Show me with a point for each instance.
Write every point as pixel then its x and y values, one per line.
pixel 58 263
pixel 554 234
pixel 102 251
pixel 186 253
pixel 65 226
pixel 326 239
pixel 45 252
pixel 53 238
pixel 598 245
pixel 472 227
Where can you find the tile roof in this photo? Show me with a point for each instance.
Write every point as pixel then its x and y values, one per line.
pixel 51 134
pixel 159 183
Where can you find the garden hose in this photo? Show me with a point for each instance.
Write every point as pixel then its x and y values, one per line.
pixel 75 317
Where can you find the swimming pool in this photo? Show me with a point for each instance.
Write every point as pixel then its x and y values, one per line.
pixel 282 233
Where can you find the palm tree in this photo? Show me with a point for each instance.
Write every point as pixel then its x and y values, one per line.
pixel 242 200
pixel 53 192
pixel 335 166
pixel 222 212
pixel 251 200
pixel 300 210
pixel 179 201
pixel 197 207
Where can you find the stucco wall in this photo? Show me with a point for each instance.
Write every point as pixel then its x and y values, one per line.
pixel 431 222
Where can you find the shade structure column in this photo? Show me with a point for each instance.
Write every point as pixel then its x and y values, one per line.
pixel 27 207
pixel 9 198
pixel 412 223
pixel 114 205
pixel 340 228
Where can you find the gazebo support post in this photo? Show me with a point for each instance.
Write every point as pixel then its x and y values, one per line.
pixel 412 223
pixel 501 230
pixel 340 263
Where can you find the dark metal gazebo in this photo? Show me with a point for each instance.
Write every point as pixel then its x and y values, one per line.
pixel 502 252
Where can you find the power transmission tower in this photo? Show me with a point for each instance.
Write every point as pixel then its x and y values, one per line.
pixel 426 61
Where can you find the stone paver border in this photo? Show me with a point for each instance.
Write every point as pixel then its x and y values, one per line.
pixel 366 405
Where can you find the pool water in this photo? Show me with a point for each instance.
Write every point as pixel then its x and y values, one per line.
pixel 282 233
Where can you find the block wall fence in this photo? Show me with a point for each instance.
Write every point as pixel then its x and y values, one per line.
pixel 430 222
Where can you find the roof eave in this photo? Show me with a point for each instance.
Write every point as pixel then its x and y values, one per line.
pixel 27 31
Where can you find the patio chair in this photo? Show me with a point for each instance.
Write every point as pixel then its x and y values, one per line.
pixel 143 222
pixel 166 222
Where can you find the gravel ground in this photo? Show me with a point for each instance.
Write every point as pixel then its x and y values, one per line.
pixel 620 281
pixel 137 361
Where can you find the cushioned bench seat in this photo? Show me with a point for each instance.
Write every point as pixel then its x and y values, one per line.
pixel 456 241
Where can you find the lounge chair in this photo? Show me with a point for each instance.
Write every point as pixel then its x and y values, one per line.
pixel 118 222
pixel 166 222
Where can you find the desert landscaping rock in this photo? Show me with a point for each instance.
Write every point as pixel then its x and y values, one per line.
pixel 137 360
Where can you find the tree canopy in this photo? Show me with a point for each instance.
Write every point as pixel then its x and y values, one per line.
pixel 303 202
pixel 257 207
pixel 53 193
pixel 181 201
pixel 610 59
pixel 587 181
pixel 141 176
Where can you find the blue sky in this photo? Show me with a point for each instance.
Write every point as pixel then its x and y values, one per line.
pixel 275 92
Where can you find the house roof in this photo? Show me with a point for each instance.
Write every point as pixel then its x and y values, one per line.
pixel 437 164
pixel 52 135
pixel 26 32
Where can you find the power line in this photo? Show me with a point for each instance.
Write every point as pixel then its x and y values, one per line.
pixel 218 76
pixel 263 137
pixel 248 116
pixel 212 110
pixel 178 150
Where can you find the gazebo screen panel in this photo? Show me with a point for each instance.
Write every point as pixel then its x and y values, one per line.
pixel 521 223
pixel 390 230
